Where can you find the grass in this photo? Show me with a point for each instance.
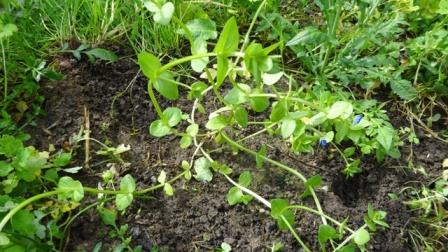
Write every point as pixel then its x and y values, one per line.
pixel 343 46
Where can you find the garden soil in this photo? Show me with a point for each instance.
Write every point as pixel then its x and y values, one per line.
pixel 198 217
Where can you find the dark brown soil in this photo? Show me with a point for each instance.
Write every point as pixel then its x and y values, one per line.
pixel 198 217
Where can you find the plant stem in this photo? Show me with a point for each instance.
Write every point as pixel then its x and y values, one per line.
pixel 289 169
pixel 295 234
pixel 26 202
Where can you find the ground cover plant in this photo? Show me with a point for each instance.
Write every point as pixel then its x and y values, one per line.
pixel 251 121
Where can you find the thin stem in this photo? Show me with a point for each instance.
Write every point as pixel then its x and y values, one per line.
pixel 294 172
pixel 5 73
pixel 26 202
pixel 295 234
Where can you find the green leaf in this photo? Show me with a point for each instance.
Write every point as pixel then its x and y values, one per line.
pixel 202 169
pixel 404 89
pixel 150 65
pixel 234 195
pixel 385 137
pixel 228 40
pixel 258 158
pixel 278 112
pixel 123 201
pixel 166 86
pixel 22 222
pixel 341 109
pixel 270 79
pixel 5 168
pixel 62 159
pixel 216 123
pixel 9 146
pixel 4 240
pixel 201 28
pixel 73 189
pixel 7 30
pixel 259 104
pixel 108 216
pixel 163 15
pixel 277 207
pixel 241 116
pixel 326 233
pixel 288 126
pixel 288 218
pixel 200 46
pixel 196 89
pixel 162 177
pixel 236 96
pixel 158 129
pixel 311 183
pixel 318 118
pixel 173 116
pixel 244 179
pixel 223 67
pixel 308 36
pixel 224 169
pixel 168 189
pixel 186 141
pixel 102 54
pixel 361 237
pixel 127 184
pixel 192 129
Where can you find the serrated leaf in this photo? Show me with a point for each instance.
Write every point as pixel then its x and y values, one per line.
pixel 108 216
pixel 10 146
pixel 7 30
pixel 22 221
pixel 404 89
pixel 102 54
pixel 308 36
pixel 62 160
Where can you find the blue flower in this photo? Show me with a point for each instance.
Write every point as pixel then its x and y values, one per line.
pixel 357 119
pixel 323 142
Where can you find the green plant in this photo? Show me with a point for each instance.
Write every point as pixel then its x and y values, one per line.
pixel 91 53
pixel 27 171
pixel 428 203
pixel 301 116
